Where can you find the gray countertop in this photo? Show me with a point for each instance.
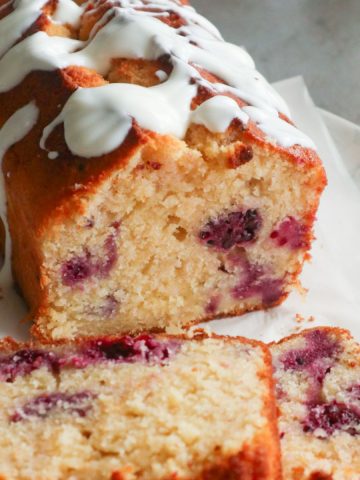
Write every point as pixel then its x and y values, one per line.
pixel 318 39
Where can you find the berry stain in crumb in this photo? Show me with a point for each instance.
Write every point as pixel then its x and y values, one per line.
pixel 291 233
pixel 42 406
pixel 255 281
pixel 82 267
pixel 213 305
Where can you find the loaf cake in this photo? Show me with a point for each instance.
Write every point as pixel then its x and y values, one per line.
pixel 318 392
pixel 146 407
pixel 153 177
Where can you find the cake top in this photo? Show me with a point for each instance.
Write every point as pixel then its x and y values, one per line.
pixel 141 29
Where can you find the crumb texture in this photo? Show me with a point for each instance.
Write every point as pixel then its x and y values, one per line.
pixel 317 374
pixel 185 234
pixel 205 411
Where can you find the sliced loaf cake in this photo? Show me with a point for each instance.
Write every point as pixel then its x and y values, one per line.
pixel 153 176
pixel 149 407
pixel 318 392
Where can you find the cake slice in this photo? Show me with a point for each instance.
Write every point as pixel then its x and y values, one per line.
pixel 146 407
pixel 155 179
pixel 317 376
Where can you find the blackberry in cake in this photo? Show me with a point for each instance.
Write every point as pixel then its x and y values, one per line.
pixel 317 374
pixel 146 407
pixel 154 178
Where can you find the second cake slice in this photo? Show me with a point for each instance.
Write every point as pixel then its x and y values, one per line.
pixel 318 390
pixel 149 407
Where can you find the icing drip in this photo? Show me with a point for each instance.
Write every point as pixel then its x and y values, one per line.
pixel 107 106
pixel 286 134
pixel 26 57
pixel 67 11
pixel 16 127
pixel 15 24
pixel 217 113
pixel 161 75
pixel 108 111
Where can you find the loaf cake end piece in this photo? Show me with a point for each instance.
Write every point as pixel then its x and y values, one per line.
pixel 318 393
pixel 146 407
pixel 159 181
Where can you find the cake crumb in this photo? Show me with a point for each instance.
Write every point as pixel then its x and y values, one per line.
pixel 301 289
pixel 195 331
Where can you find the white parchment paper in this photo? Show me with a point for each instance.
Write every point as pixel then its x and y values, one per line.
pixel 333 276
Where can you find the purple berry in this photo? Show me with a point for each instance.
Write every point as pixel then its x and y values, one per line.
pixel 291 233
pixel 331 417
pixel 143 348
pixel 232 229
pixel 24 362
pixel 76 270
pixel 320 347
pixel 41 406
pixel 316 359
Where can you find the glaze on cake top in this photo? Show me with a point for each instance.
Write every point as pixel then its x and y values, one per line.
pixel 135 31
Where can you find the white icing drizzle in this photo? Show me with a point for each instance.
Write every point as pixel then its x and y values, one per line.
pixel 15 24
pixel 108 111
pixel 68 12
pixel 53 155
pixel 217 113
pixel 161 75
pixel 37 52
pixel 14 129
pixel 290 135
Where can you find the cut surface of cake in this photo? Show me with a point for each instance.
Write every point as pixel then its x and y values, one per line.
pixel 317 375
pixel 154 178
pixel 146 407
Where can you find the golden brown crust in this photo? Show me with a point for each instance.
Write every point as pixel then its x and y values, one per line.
pixel 321 476
pixel 339 332
pixel 259 461
pixel 271 412
pixel 9 344
pixel 256 461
